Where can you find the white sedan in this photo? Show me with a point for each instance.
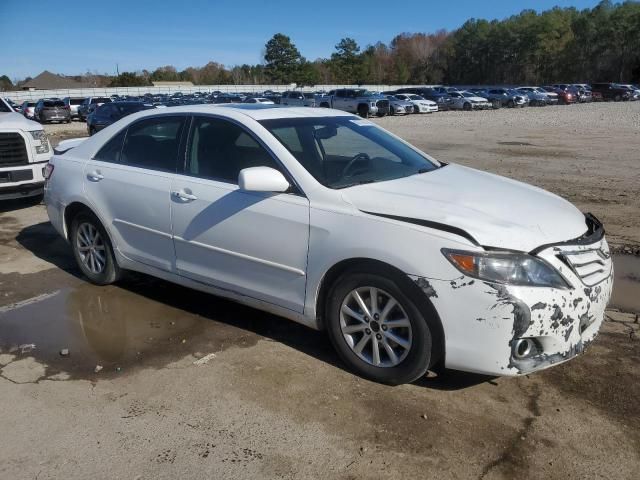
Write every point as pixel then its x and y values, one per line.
pixel 420 104
pixel 326 219
pixel 468 101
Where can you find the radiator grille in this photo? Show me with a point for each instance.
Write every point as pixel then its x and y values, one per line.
pixel 13 150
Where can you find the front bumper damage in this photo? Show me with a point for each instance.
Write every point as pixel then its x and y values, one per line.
pixel 485 324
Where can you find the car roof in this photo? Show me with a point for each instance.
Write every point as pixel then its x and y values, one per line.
pixel 255 111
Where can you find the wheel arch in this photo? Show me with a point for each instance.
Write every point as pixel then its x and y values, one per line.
pixel 379 267
pixel 73 209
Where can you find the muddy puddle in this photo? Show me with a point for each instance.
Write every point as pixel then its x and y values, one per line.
pixel 144 322
pixel 626 286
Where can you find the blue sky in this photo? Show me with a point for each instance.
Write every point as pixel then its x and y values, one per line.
pixel 71 36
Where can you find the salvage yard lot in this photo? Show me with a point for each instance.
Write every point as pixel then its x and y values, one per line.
pixel 132 399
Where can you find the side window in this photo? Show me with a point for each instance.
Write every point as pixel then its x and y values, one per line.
pixel 220 149
pixel 110 151
pixel 154 143
pixel 340 94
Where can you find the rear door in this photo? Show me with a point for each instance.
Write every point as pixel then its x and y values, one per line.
pixel 129 183
pixel 252 243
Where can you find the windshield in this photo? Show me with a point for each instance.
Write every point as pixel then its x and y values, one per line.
pixel 469 94
pixel 345 151
pixel 363 93
pixel 4 107
pixel 415 97
pixel 309 95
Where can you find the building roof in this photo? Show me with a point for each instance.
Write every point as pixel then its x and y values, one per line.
pixel 50 81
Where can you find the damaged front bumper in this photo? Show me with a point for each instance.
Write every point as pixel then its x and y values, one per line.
pixel 498 329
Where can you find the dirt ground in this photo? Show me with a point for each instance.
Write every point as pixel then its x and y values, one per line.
pixel 163 382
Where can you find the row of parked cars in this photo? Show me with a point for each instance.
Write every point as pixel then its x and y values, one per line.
pixel 100 112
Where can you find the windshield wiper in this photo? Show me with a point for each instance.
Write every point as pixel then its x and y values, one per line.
pixel 360 182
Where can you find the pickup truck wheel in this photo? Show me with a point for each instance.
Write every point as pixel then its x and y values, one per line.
pixel 377 329
pixel 617 98
pixel 363 111
pixel 511 104
pixel 92 249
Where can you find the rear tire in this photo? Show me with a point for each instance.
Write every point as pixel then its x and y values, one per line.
pixel 363 111
pixel 466 107
pixel 92 249
pixel 356 339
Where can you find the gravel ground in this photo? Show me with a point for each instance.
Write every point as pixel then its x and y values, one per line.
pixel 149 380
pixel 588 154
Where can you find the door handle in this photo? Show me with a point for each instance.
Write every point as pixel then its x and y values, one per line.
pixel 184 196
pixel 95 176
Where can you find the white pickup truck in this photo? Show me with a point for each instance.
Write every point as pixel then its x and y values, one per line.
pixel 355 100
pixel 24 153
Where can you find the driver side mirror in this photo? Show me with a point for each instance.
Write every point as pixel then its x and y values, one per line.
pixel 262 179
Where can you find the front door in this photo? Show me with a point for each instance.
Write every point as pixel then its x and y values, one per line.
pixel 252 243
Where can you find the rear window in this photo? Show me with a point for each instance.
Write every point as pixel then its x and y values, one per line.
pixel 76 101
pixel 53 103
pixel 100 100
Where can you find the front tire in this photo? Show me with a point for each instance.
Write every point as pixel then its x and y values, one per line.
pixel 363 111
pixel 92 249
pixel 377 329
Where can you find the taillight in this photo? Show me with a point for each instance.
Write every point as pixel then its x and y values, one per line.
pixel 47 171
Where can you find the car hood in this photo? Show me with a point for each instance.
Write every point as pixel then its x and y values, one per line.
pixel 495 211
pixel 18 121
pixel 476 99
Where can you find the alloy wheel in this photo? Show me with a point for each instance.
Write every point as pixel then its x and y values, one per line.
pixel 375 327
pixel 91 248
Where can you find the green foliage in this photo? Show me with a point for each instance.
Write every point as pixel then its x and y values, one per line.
pixel 282 59
pixel 346 62
pixel 129 79
pixel 5 83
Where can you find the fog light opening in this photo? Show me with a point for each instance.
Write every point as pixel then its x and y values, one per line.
pixel 524 348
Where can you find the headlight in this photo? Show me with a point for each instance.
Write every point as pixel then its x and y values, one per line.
pixel 40 135
pixel 508 268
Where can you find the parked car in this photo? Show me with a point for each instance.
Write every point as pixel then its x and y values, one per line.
pixel 28 109
pixel 580 94
pixel 506 97
pixel 256 212
pixel 24 153
pixel 398 106
pixel 51 110
pixel 441 99
pixel 89 105
pixel 537 97
pixel 634 90
pixel 611 91
pixel 261 100
pixel 585 95
pixel 465 100
pixel 420 105
pixel 565 97
pixel 355 100
pixel 111 112
pixel 298 99
pixel 16 108
pixel 73 103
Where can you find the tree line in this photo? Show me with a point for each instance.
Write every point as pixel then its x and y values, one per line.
pixel 557 45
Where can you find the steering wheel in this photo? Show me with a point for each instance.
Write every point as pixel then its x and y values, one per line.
pixel 358 156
